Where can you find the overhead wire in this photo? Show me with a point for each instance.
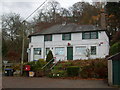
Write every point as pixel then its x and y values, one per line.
pixel 35 10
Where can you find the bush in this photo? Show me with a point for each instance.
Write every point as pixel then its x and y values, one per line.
pixel 16 67
pixel 49 56
pixel 36 65
pixel 115 48
pixel 58 73
pixel 39 73
pixel 95 69
pixel 73 71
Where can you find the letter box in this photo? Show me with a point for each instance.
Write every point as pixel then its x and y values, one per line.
pixel 27 68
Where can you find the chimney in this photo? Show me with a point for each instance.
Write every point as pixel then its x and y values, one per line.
pixel 102 19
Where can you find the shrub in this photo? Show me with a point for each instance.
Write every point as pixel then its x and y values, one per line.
pixel 95 69
pixel 73 71
pixel 49 56
pixel 36 65
pixel 115 48
pixel 16 67
pixel 58 73
pixel 39 73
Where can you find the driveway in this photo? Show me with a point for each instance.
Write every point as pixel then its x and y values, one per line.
pixel 44 82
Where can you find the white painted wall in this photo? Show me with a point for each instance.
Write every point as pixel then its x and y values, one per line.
pixel 76 40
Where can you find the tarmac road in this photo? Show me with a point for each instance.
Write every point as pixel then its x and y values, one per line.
pixel 44 82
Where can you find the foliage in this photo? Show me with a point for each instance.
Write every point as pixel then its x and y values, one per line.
pixel 73 71
pixel 16 66
pixel 58 73
pixel 39 73
pixel 95 69
pixel 88 68
pixel 12 32
pixel 36 65
pixel 113 16
pixel 49 56
pixel 116 37
pixel 115 48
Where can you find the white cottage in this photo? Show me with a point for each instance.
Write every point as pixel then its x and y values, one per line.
pixel 69 42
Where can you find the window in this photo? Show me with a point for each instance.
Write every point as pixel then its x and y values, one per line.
pixel 87 35
pixel 37 51
pixel 90 35
pixel 47 50
pixel 48 38
pixel 59 50
pixel 66 36
pixel 81 50
pixel 93 50
pixel 94 35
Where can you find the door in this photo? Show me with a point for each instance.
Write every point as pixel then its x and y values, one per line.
pixel 69 53
pixel 116 72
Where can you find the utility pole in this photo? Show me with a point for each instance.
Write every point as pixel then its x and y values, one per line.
pixel 23 41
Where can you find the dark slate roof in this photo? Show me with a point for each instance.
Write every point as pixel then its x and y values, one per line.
pixel 68 28
pixel 114 57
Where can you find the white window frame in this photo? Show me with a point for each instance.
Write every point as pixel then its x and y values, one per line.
pixel 82 54
pixel 60 54
pixel 90 50
pixel 36 50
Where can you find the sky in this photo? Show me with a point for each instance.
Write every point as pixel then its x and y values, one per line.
pixel 26 7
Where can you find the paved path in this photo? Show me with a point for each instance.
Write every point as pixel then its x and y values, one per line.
pixel 38 82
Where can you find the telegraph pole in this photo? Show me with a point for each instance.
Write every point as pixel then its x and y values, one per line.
pixel 23 36
pixel 23 41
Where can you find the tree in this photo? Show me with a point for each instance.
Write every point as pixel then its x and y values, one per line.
pixel 12 28
pixel 113 16
pixel 49 56
pixel 115 48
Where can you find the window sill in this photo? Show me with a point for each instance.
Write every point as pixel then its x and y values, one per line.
pixel 79 55
pixel 66 40
pixel 89 39
pixel 59 55
pixel 47 41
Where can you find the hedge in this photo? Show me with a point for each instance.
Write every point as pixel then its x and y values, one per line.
pixel 73 71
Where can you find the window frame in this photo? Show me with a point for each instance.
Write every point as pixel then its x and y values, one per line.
pixel 91 53
pixel 79 53
pixel 63 36
pixel 46 37
pixel 59 50
pixel 90 35
pixel 40 52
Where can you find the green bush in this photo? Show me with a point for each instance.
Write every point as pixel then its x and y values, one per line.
pixel 49 56
pixel 115 48
pixel 37 65
pixel 58 73
pixel 73 71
